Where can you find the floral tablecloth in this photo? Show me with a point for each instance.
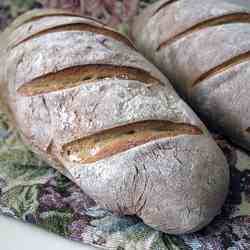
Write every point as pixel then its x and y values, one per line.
pixel 32 191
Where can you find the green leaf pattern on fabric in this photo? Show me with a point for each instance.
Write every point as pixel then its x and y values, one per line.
pixel 35 193
pixel 56 222
pixel 22 200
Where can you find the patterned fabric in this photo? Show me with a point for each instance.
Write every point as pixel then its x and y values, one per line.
pixel 35 193
pixel 32 191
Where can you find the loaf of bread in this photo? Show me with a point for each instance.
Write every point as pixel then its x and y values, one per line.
pixel 86 101
pixel 203 48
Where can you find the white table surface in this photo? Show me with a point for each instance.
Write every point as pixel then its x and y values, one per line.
pixel 16 235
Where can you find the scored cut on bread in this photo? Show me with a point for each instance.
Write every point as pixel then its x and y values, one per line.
pixel 87 102
pixel 203 48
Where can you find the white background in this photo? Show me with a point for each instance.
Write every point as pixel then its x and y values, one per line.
pixel 16 235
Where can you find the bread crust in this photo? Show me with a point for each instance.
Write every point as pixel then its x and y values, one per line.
pixel 203 47
pixel 103 88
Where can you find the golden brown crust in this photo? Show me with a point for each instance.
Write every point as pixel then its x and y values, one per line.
pixel 116 140
pixel 205 52
pixel 124 138
pixel 80 27
pixel 37 14
pixel 63 13
pixel 223 67
pixel 219 20
pixel 72 77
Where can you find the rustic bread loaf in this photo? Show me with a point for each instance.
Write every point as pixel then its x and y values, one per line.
pixel 86 101
pixel 203 48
